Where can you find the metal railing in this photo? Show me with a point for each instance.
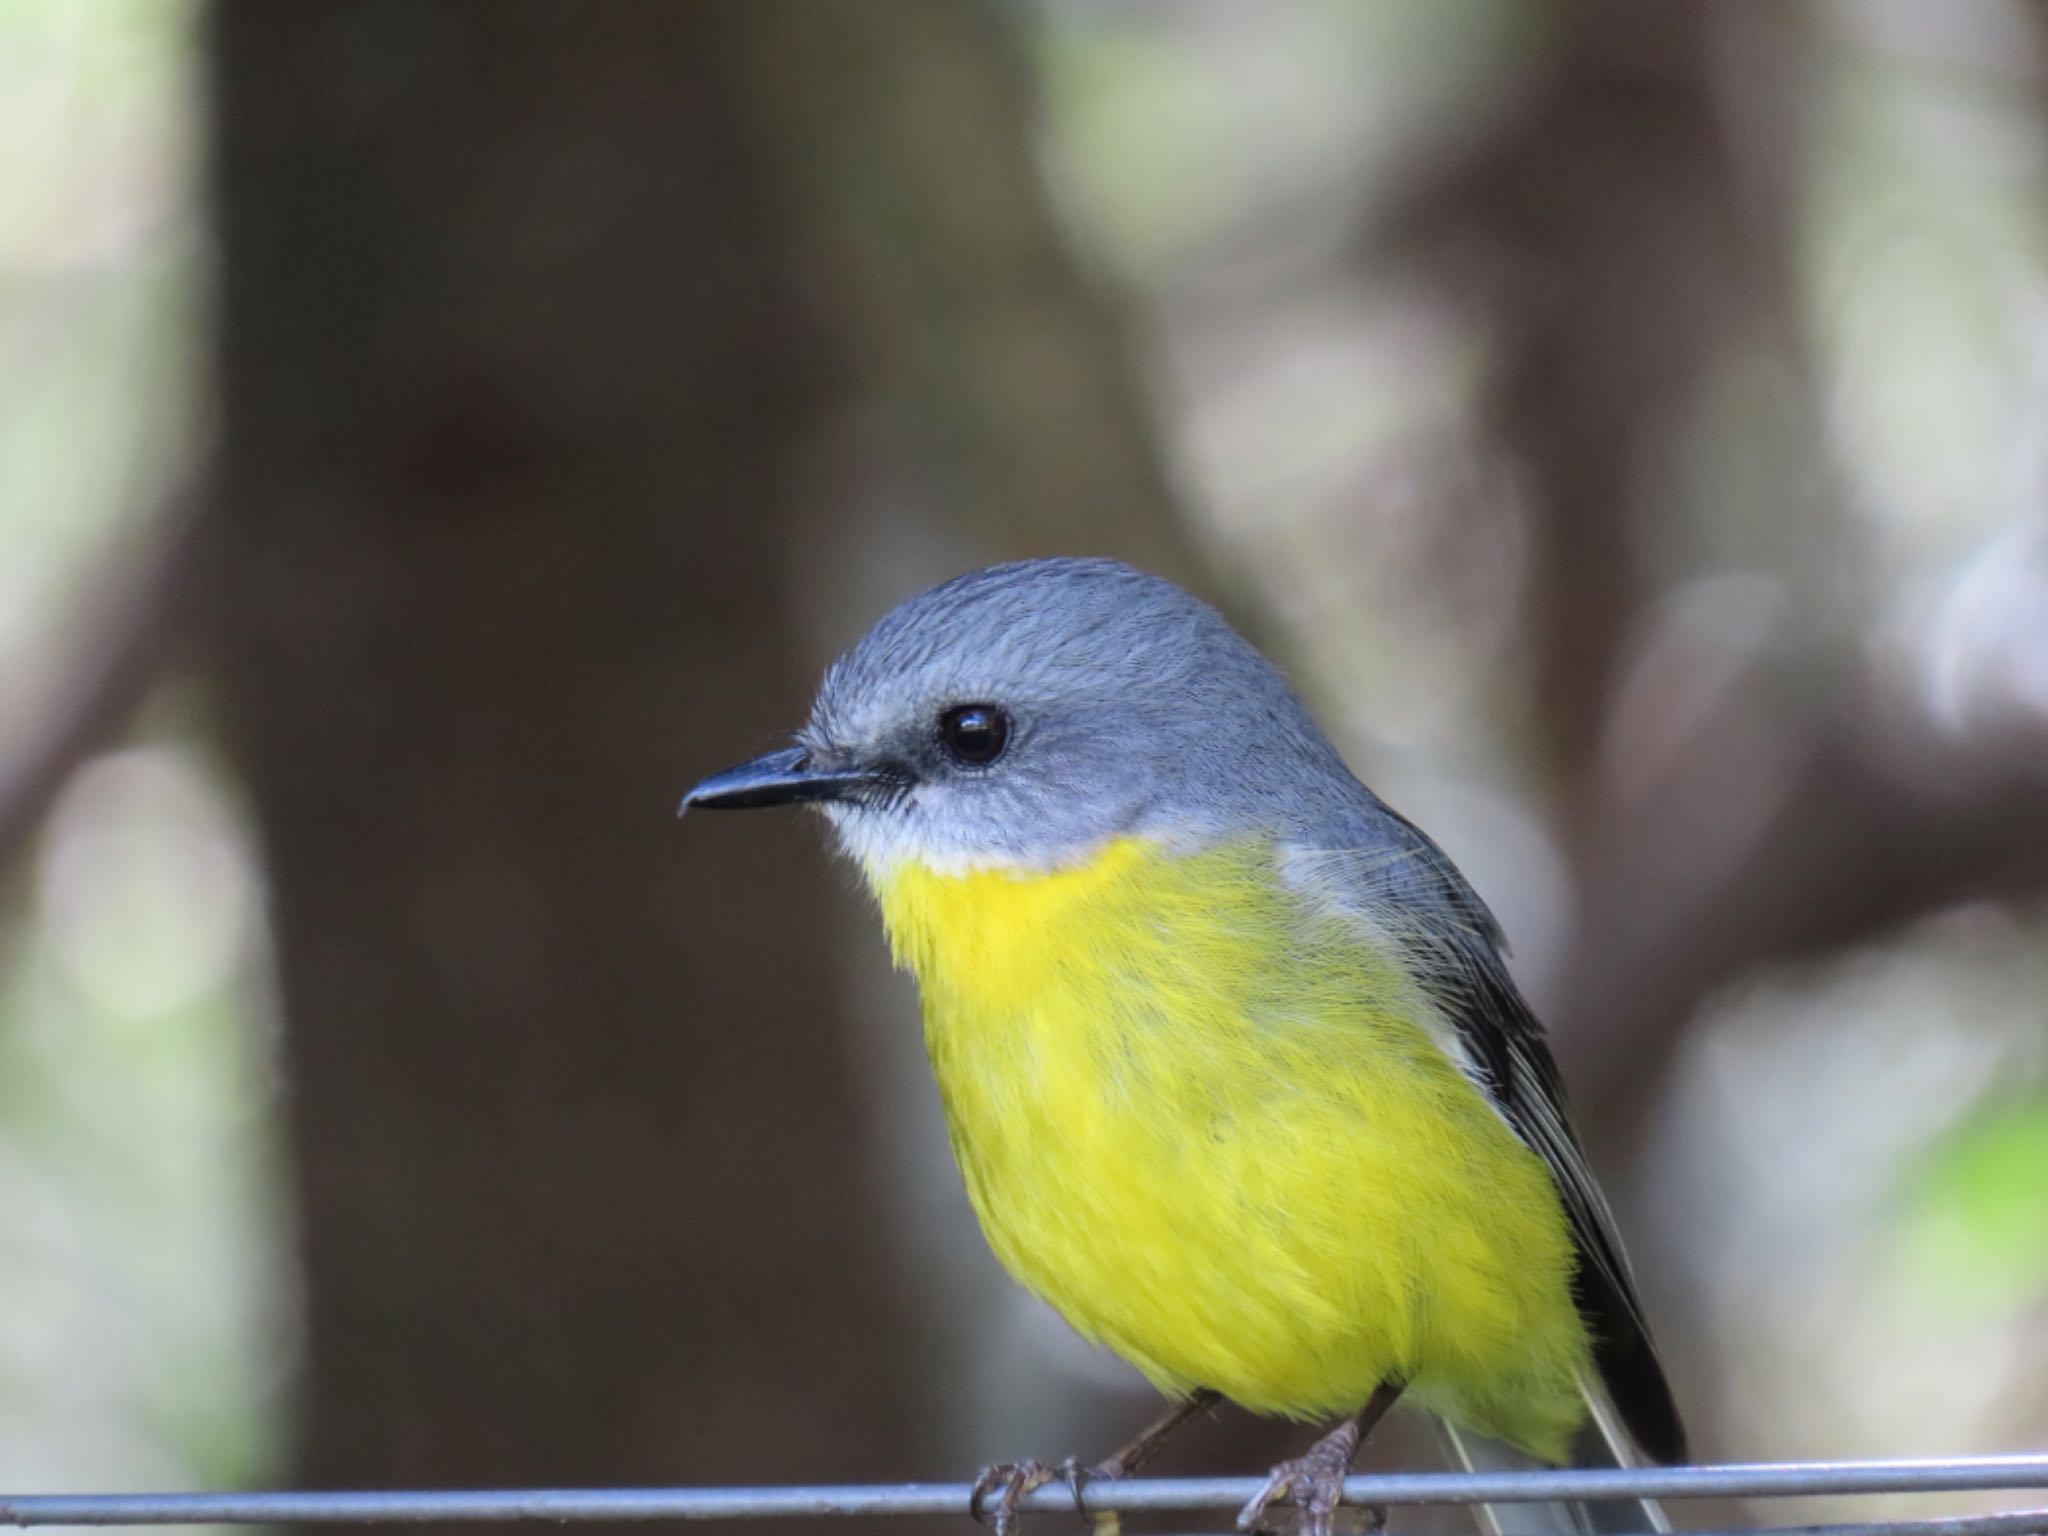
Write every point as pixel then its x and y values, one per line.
pixel 1137 1495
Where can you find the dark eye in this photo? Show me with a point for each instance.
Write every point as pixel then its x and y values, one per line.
pixel 974 733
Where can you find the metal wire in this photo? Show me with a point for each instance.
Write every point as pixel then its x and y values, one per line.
pixel 1779 1479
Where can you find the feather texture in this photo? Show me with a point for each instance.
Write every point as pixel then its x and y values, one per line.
pixel 1211 1124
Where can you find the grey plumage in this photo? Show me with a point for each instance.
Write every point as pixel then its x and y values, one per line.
pixel 1106 670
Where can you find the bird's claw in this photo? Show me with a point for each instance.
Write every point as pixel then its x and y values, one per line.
pixel 1076 1474
pixel 1313 1484
pixel 1012 1481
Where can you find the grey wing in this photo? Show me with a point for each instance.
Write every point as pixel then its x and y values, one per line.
pixel 1455 946
pixel 1531 1095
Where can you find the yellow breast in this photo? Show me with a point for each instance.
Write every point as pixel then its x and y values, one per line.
pixel 1205 1119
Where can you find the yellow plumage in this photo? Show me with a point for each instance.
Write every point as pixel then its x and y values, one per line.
pixel 1204 1117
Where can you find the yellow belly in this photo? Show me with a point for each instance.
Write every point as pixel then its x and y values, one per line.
pixel 1208 1125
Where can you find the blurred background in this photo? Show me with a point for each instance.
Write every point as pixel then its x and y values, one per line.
pixel 435 432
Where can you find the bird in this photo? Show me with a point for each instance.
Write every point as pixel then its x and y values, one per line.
pixel 1231 1061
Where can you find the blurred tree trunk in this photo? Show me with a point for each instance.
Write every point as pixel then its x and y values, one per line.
pixel 513 378
pixel 906 132
pixel 1618 223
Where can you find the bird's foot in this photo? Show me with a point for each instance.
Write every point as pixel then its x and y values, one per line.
pixel 1011 1481
pixel 1313 1483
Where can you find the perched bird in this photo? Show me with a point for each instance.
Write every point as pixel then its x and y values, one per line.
pixel 1231 1064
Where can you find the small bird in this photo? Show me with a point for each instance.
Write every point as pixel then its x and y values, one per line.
pixel 1231 1062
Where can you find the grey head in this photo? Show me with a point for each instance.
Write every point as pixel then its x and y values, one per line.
pixel 1022 714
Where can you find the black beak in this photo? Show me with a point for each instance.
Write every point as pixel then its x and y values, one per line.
pixel 787 777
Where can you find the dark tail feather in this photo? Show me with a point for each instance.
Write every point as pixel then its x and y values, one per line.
pixel 1602 1443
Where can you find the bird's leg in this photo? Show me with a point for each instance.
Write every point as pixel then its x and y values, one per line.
pixel 1315 1481
pixel 1144 1445
pixel 1015 1479
pixel 1133 1454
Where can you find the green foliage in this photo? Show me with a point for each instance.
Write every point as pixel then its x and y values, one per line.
pixel 1974 1229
